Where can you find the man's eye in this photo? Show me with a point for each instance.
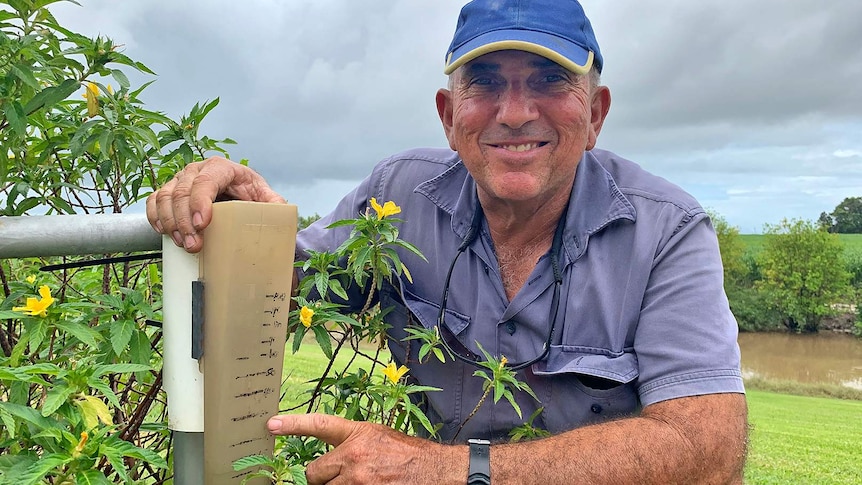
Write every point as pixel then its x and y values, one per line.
pixel 554 78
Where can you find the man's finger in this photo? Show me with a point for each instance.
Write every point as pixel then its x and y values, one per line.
pixel 330 429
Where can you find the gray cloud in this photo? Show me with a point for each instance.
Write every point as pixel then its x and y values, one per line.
pixel 751 96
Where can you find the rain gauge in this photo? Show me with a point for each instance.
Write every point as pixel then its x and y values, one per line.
pixel 225 326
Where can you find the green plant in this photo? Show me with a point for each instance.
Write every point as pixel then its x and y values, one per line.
pixel 80 385
pixel 803 273
pixel 354 389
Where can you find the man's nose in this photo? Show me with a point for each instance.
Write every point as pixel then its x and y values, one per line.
pixel 516 107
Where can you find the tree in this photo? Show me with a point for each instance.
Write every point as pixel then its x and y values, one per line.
pixel 848 216
pixel 825 222
pixel 803 273
pixel 731 248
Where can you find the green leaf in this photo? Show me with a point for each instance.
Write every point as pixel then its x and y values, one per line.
pixel 297 472
pixel 130 450
pixel 42 368
pixel 51 95
pixel 140 350
pixel 25 74
pixel 121 332
pixel 15 116
pixel 37 471
pixel 115 458
pixel 145 134
pixel 28 414
pixel 252 460
pixel 121 78
pixel 106 391
pixel 125 368
pixel 336 288
pixel 322 337
pixel 4 168
pixel 8 422
pixel 93 477
pixel 56 397
pixel 7 315
pixel 76 145
pixel 85 334
pixel 297 338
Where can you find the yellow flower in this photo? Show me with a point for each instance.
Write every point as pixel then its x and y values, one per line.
pixel 503 361
pixel 31 279
pixel 91 94
pixel 388 209
pixel 305 315
pixel 36 306
pixel 393 373
pixel 80 447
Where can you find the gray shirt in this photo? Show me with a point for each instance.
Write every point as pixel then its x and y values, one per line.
pixel 643 316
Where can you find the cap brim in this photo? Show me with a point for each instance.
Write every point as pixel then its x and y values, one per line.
pixel 565 53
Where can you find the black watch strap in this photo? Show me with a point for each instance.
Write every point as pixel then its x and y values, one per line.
pixel 480 462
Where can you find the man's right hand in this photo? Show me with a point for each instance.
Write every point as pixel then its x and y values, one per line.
pixel 183 207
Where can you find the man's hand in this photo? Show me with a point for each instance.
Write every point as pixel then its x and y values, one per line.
pixel 183 206
pixel 368 453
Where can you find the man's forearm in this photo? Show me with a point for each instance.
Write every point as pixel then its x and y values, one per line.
pixel 689 440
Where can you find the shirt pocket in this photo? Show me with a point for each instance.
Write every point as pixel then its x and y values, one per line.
pixel 583 385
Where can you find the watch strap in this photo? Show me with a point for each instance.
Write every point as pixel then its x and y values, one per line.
pixel 480 462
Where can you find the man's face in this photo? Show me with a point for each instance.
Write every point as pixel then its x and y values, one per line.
pixel 521 123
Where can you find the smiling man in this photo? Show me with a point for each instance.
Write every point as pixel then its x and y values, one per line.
pixel 600 283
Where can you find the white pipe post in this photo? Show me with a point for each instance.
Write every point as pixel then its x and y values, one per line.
pixel 183 381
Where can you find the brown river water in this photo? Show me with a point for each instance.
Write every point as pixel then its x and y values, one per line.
pixel 822 358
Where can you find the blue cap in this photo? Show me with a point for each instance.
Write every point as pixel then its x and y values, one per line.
pixel 556 29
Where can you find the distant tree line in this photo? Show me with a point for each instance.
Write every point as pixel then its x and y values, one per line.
pixel 845 219
pixel 802 275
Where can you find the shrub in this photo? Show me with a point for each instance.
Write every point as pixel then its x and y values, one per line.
pixel 803 273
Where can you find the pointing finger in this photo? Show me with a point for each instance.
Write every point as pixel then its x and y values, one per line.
pixel 330 429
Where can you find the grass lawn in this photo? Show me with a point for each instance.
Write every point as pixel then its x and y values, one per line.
pixel 804 440
pixel 794 439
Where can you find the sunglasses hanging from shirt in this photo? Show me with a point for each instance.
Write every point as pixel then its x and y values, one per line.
pixel 455 346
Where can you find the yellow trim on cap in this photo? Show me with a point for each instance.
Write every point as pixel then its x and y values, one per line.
pixel 518 45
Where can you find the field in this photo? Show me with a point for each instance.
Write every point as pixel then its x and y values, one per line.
pixel 803 440
pixel 754 242
pixel 794 439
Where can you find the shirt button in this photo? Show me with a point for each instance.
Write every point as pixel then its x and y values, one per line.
pixel 596 408
pixel 510 327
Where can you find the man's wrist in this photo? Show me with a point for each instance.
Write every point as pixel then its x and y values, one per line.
pixel 480 462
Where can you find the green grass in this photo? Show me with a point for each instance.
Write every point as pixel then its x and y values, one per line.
pixel 794 439
pixel 803 440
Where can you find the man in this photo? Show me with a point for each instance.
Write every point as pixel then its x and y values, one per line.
pixel 599 281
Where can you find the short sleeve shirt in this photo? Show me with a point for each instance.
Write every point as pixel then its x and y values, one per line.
pixel 643 316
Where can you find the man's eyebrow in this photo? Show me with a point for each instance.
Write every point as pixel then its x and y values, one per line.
pixel 543 63
pixel 481 67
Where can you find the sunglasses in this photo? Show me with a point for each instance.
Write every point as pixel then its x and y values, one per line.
pixel 460 351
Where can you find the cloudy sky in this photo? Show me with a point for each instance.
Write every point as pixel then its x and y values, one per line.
pixel 752 106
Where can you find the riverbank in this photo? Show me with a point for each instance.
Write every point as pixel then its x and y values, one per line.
pixel 802 389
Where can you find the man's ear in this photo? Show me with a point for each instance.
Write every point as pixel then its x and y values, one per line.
pixel 445 109
pixel 599 107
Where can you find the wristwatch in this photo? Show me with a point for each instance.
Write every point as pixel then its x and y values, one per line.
pixel 480 462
